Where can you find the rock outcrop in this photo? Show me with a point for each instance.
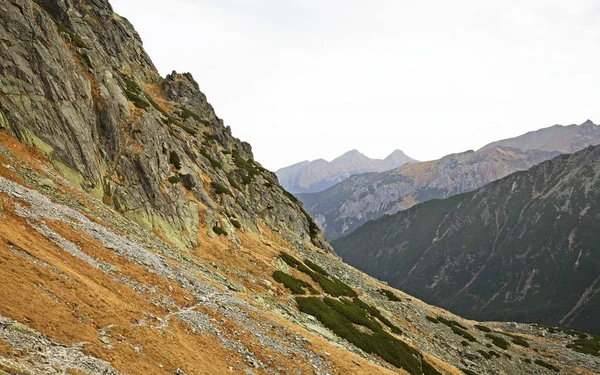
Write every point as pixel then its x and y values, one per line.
pixel 76 83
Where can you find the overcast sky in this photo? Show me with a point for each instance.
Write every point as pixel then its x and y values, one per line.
pixel 308 79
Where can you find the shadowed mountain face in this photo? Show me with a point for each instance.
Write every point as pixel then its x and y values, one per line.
pixel 343 207
pixel 318 175
pixel 524 248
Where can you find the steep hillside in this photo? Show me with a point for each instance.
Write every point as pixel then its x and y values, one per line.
pixel 138 236
pixel 317 175
pixel 524 248
pixel 344 207
pixel 564 139
pixel 88 291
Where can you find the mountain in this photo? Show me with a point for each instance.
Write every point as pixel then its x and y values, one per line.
pixel 344 207
pixel 317 175
pixel 564 139
pixel 139 236
pixel 524 248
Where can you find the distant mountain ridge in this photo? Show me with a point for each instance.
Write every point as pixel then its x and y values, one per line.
pixel 344 207
pixel 564 139
pixel 318 175
pixel 524 248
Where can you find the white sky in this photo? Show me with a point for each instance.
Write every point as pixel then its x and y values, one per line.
pixel 308 79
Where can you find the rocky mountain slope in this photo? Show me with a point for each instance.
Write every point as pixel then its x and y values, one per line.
pixel 524 248
pixel 138 236
pixel 564 139
pixel 88 291
pixel 317 175
pixel 344 207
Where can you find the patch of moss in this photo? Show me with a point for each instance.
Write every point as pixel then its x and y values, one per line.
pixel 465 343
pixel 539 362
pixel 77 41
pixel 219 189
pixel 174 179
pixel 187 113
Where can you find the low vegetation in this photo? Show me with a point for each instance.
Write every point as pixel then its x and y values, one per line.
pixel 468 372
pixel 220 231
pixel 588 345
pixel 330 285
pixel 174 160
pixel 174 179
pixel 498 341
pixel 463 333
pixel 390 295
pixel 296 286
pixel 517 340
pixel 341 318
pixel 546 365
pixel 483 328
pixel 219 188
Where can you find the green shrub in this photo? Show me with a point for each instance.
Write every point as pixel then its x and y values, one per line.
pixel 218 230
pixel 546 365
pixel 432 319
pixel 315 267
pixel 390 295
pixel 186 113
pixel 296 286
pixel 62 29
pixel 213 162
pixel 589 345
pixel 463 333
pixel 465 343
pixel 386 346
pixel 235 223
pixel 517 340
pixel 485 354
pixel 527 360
pixel 482 328
pixel 498 341
pixel 219 189
pixel 174 160
pixel 332 286
pixel 494 354
pixel 174 179
pixel 450 323
pixel 233 182
pixel 376 313
pixel 353 313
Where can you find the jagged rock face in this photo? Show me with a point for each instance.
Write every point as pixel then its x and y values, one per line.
pixel 344 207
pixel 565 139
pixel 524 248
pixel 318 175
pixel 76 83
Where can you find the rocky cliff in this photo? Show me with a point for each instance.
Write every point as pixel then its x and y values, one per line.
pixel 318 175
pixel 524 248
pixel 76 83
pixel 344 207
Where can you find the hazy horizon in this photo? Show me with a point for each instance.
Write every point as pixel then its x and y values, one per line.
pixel 304 80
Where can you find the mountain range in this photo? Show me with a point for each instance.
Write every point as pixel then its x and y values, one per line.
pixel 317 175
pixel 139 236
pixel 345 206
pixel 524 248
